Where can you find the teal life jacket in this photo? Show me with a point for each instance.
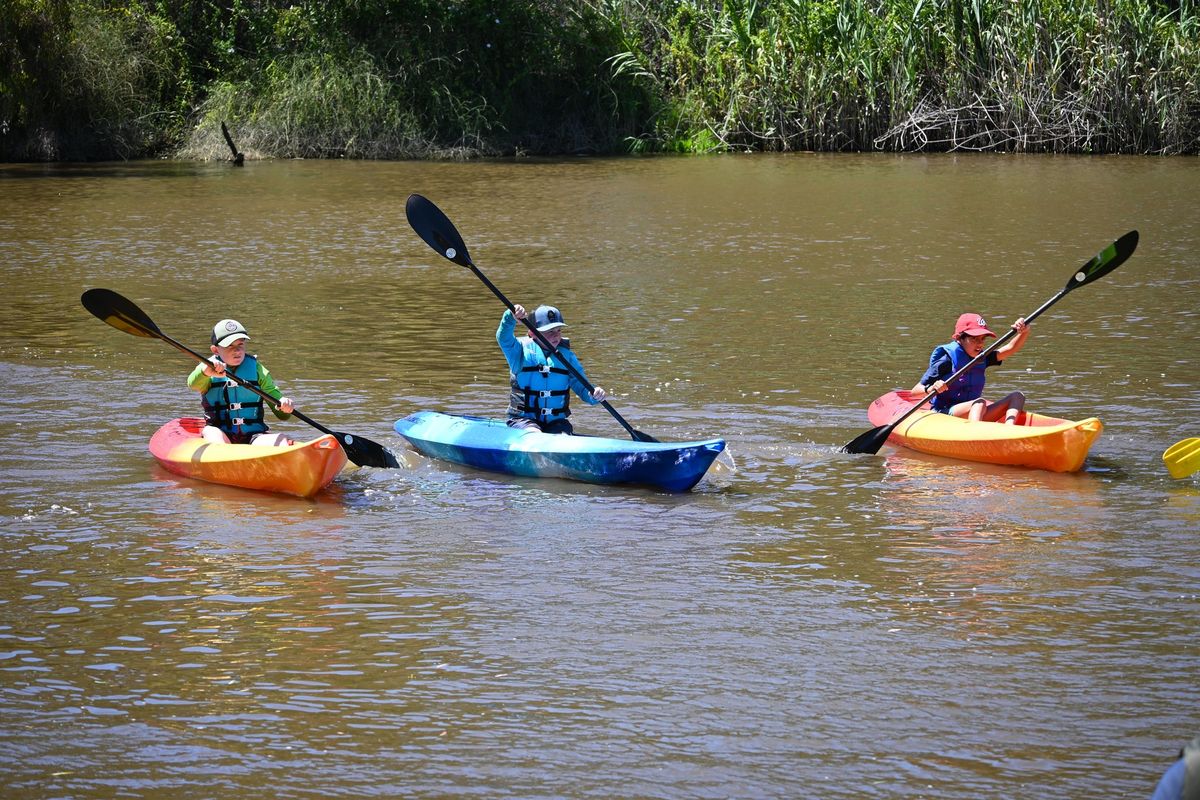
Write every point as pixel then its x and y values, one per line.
pixel 968 386
pixel 541 391
pixel 235 410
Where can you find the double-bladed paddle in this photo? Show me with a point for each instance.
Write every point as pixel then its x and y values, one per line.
pixel 1183 458
pixel 436 229
pixel 122 314
pixel 1103 263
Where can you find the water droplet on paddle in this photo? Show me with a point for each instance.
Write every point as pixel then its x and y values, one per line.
pixel 451 252
pixel 349 439
pixel 1080 276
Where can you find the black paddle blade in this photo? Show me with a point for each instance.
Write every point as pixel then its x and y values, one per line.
pixel 870 442
pixel 115 310
pixel 1105 261
pixel 124 315
pixel 436 229
pixel 366 453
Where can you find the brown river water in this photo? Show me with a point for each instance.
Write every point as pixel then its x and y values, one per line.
pixel 805 623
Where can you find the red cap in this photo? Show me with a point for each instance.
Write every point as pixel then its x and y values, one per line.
pixel 971 325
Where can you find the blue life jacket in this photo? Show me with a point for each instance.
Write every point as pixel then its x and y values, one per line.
pixel 968 386
pixel 542 389
pixel 235 410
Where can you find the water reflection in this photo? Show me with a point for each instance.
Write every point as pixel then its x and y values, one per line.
pixel 187 495
pixel 980 499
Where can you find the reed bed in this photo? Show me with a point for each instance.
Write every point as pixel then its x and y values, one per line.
pixel 1022 76
pixel 86 79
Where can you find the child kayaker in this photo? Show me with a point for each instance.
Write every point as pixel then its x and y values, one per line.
pixel 541 384
pixel 965 397
pixel 235 414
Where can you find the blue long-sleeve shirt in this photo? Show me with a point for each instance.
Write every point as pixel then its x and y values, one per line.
pixel 527 352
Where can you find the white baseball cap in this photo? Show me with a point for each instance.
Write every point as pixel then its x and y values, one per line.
pixel 228 331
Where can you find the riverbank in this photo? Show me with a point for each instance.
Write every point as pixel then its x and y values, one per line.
pixel 87 81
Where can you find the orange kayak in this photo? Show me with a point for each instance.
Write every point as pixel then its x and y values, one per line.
pixel 1038 441
pixel 301 469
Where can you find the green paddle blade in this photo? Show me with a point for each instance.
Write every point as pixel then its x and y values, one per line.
pixel 113 309
pixel 1105 261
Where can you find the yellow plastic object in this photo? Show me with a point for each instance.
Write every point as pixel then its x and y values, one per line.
pixel 1183 458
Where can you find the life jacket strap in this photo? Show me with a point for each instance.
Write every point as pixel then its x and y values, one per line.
pixel 543 413
pixel 546 369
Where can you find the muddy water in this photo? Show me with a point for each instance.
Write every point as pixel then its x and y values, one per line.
pixel 807 624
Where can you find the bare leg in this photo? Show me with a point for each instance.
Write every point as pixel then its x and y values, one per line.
pixel 972 410
pixel 1007 409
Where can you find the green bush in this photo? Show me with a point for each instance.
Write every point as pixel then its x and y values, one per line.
pixel 88 82
pixel 308 106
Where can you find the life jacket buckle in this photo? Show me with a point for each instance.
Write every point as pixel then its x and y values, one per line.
pixel 544 369
pixel 545 393
pixel 238 421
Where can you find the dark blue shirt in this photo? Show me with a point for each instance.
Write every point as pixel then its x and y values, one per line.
pixel 943 368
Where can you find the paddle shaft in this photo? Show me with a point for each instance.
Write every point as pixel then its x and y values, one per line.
pixel 437 231
pixel 1000 341
pixel 271 401
pixel 1097 267
pixel 553 350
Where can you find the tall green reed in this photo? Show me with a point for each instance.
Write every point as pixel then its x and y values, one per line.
pixel 1027 75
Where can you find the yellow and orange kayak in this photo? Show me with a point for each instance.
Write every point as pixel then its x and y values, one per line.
pixel 1038 441
pixel 301 469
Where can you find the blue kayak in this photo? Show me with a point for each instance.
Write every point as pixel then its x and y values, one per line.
pixel 490 444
